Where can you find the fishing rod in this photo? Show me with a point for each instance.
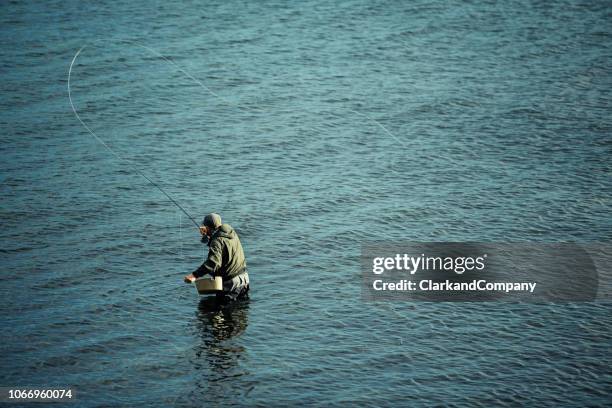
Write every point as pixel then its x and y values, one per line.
pixel 207 89
pixel 132 166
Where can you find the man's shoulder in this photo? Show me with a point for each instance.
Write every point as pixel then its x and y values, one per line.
pixel 216 242
pixel 220 239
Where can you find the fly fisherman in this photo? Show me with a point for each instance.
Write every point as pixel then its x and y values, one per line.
pixel 225 259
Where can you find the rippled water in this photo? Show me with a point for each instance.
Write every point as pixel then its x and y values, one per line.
pixel 324 124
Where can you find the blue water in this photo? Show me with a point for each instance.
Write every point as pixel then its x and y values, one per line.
pixel 324 124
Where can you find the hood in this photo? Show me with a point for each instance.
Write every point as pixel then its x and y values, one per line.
pixel 225 231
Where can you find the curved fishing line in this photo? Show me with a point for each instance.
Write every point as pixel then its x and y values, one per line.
pixel 138 171
pixel 207 89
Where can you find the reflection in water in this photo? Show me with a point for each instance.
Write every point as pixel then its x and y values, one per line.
pixel 219 353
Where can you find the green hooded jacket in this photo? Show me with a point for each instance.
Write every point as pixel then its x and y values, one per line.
pixel 225 255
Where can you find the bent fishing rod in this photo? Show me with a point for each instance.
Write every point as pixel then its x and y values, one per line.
pixel 117 155
pixel 200 84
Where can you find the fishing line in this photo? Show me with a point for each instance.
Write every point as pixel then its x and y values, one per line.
pixel 198 82
pixel 138 171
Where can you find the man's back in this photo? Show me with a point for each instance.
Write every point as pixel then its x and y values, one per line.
pixel 225 244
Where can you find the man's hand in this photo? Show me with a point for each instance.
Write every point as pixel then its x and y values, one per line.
pixel 190 278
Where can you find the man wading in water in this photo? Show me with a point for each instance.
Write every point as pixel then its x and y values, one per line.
pixel 225 259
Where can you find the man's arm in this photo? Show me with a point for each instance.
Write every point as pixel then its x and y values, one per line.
pixel 213 262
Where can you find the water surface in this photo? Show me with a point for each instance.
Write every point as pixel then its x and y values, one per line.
pixel 330 123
